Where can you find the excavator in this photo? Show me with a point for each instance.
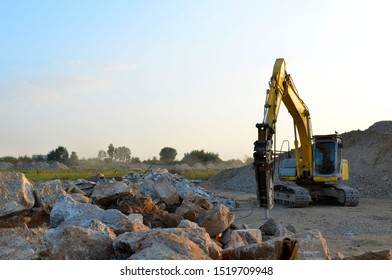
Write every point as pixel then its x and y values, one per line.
pixel 317 171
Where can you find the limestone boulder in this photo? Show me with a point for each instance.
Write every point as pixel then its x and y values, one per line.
pixel 16 194
pixel 313 246
pixel 159 191
pixel 22 243
pixel 69 242
pixel 271 227
pixel 189 211
pixel 250 236
pixel 195 244
pixel 216 220
pixel 234 240
pixel 47 192
pixel 67 211
pixel 106 193
pixel 168 246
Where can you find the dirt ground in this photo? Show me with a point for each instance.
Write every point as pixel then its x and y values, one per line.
pixel 348 230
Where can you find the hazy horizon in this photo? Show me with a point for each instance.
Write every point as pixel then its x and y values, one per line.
pixel 189 75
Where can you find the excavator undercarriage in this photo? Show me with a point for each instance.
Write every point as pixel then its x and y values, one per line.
pixel 296 196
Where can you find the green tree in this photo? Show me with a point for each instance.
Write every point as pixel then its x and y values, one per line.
pixel 135 160
pixel 122 154
pixel 167 154
pixel 60 154
pixel 38 157
pixel 201 156
pixel 102 154
pixel 74 157
pixel 111 151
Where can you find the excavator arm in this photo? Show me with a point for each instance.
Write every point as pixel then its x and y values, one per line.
pixel 281 88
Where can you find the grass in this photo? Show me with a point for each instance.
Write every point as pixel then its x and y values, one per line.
pixel 69 174
pixel 72 174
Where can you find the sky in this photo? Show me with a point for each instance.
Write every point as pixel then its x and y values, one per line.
pixel 184 74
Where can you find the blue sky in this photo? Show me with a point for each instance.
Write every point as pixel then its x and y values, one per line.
pixel 184 74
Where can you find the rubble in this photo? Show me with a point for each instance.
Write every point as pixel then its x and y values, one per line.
pixel 16 194
pixel 93 242
pixel 157 215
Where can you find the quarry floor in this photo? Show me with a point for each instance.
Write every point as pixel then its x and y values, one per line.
pixel 348 230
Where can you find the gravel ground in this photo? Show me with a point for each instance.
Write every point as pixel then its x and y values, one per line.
pixel 348 230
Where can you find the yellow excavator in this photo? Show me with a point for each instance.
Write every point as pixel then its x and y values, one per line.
pixel 317 171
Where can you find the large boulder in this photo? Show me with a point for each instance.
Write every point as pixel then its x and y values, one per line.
pixel 313 246
pixel 93 242
pixel 67 211
pixel 189 211
pixel 106 193
pixel 16 194
pixel 271 227
pixel 170 243
pixel 216 220
pixel 160 190
pixel 47 193
pixel 22 243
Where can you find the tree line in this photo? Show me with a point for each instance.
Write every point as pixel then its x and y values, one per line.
pixel 167 155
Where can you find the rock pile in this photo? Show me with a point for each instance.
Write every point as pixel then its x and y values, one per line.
pixel 158 215
pixel 32 166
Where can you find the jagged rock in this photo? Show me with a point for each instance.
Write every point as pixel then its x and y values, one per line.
pixel 271 227
pixel 313 246
pixel 93 242
pixel 158 244
pixel 250 236
pixel 161 190
pixel 183 188
pixel 167 193
pixel 16 194
pixel 198 200
pixel 187 224
pixel 201 238
pixel 129 243
pixel 48 192
pixel 137 204
pixel 292 228
pixel 385 254
pixel 67 211
pixel 170 220
pixel 225 236
pixel 22 243
pixel 234 241
pixel 260 251
pixel 107 193
pixel 216 220
pixel 189 211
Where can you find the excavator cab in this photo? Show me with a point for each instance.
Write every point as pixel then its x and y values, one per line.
pixel 328 165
